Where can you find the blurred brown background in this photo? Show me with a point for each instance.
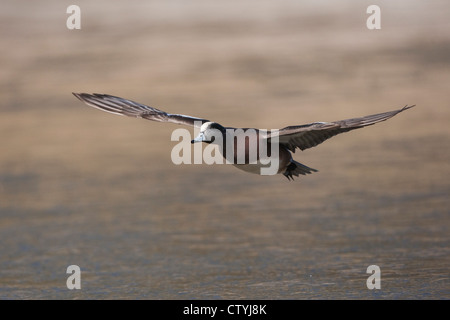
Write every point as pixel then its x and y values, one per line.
pixel 79 186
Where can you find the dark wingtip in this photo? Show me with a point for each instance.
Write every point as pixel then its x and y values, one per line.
pixel 407 107
pixel 82 94
pixel 78 95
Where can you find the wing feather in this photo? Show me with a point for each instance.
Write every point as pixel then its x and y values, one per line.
pixel 124 107
pixel 310 135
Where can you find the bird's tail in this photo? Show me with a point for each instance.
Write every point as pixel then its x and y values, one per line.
pixel 296 168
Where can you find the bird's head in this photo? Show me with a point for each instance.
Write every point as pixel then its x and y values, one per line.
pixel 209 131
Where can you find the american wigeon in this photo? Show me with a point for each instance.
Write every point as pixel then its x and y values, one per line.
pixel 288 139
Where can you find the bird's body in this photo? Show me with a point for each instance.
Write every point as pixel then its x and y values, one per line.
pixel 284 159
pixel 278 144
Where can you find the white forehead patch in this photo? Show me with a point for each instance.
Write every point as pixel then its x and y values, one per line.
pixel 205 126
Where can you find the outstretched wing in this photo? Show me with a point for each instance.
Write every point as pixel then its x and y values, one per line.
pixel 124 107
pixel 310 135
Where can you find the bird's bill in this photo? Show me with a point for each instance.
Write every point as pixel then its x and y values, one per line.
pixel 200 138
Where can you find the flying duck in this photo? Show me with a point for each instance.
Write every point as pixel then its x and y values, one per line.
pixel 288 139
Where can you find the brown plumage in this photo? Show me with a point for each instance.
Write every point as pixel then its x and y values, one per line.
pixel 292 137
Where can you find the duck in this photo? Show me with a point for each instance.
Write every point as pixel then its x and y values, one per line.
pixel 235 144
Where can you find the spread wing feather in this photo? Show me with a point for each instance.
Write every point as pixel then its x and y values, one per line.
pixel 124 107
pixel 310 135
